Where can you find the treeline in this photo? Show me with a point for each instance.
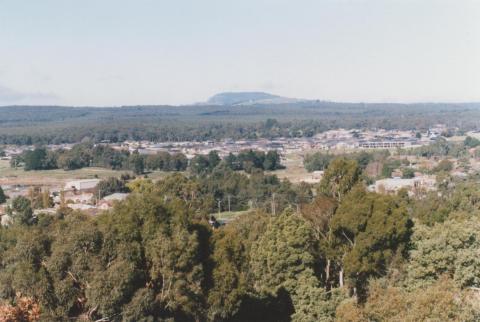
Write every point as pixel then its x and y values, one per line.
pixel 386 165
pixel 320 161
pixel 54 125
pixel 344 255
pixel 160 131
pixel 91 155
pixel 246 160
pixel 440 149
pixel 443 148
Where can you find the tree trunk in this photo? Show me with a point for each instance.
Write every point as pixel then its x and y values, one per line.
pixel 340 278
pixel 327 273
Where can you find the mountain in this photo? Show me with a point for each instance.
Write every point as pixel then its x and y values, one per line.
pixel 248 98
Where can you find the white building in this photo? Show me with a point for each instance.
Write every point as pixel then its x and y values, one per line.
pixel 85 198
pixel 392 185
pixel 383 144
pixel 6 220
pixel 118 196
pixel 84 184
pixel 110 200
pixel 80 206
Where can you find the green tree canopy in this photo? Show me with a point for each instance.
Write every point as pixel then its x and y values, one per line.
pixel 371 229
pixel 22 211
pixel 283 258
pixel 339 178
pixel 451 248
pixel 3 197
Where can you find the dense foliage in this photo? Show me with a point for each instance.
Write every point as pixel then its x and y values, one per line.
pixel 344 254
pixel 319 161
pixel 53 125
pixel 110 185
pixel 440 148
pixel 3 197
pixel 98 155
pixel 247 160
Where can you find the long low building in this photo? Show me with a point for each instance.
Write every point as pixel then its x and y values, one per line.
pixel 383 144
pixel 84 184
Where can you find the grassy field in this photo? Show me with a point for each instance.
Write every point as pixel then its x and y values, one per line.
pixel 10 176
pixel 294 169
pixel 227 216
pixel 294 172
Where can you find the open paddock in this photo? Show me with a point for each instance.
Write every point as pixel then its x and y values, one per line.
pixel 57 177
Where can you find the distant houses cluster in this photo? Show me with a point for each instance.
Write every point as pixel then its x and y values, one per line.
pixel 76 194
pixel 328 140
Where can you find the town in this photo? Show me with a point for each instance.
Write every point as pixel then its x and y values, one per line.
pixel 78 190
pixel 337 140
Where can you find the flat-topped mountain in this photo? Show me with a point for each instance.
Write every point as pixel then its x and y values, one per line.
pixel 248 98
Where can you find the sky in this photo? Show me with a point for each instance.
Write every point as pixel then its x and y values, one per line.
pixel 118 52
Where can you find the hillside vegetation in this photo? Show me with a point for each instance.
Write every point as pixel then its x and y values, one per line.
pixel 344 254
pixel 42 124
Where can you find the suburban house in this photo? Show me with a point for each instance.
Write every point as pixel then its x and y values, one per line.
pixel 108 201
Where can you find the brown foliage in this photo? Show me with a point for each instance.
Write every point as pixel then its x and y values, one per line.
pixel 350 311
pixel 442 301
pixel 319 213
pixel 25 310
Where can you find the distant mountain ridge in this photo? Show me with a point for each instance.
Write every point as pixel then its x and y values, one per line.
pixel 248 98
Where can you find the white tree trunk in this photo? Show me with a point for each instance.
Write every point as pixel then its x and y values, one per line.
pixel 327 272
pixel 340 278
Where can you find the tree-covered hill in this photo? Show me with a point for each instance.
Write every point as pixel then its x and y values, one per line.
pixel 234 98
pixel 56 124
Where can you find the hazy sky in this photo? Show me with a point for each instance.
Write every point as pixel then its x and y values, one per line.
pixel 117 52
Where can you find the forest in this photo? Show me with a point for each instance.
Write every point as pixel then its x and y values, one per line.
pixel 328 252
pixel 28 125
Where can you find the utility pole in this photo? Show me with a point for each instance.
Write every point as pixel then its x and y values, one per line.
pixel 298 205
pixel 273 203
pixel 229 203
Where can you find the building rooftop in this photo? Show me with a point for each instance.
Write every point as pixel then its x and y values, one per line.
pixel 116 196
